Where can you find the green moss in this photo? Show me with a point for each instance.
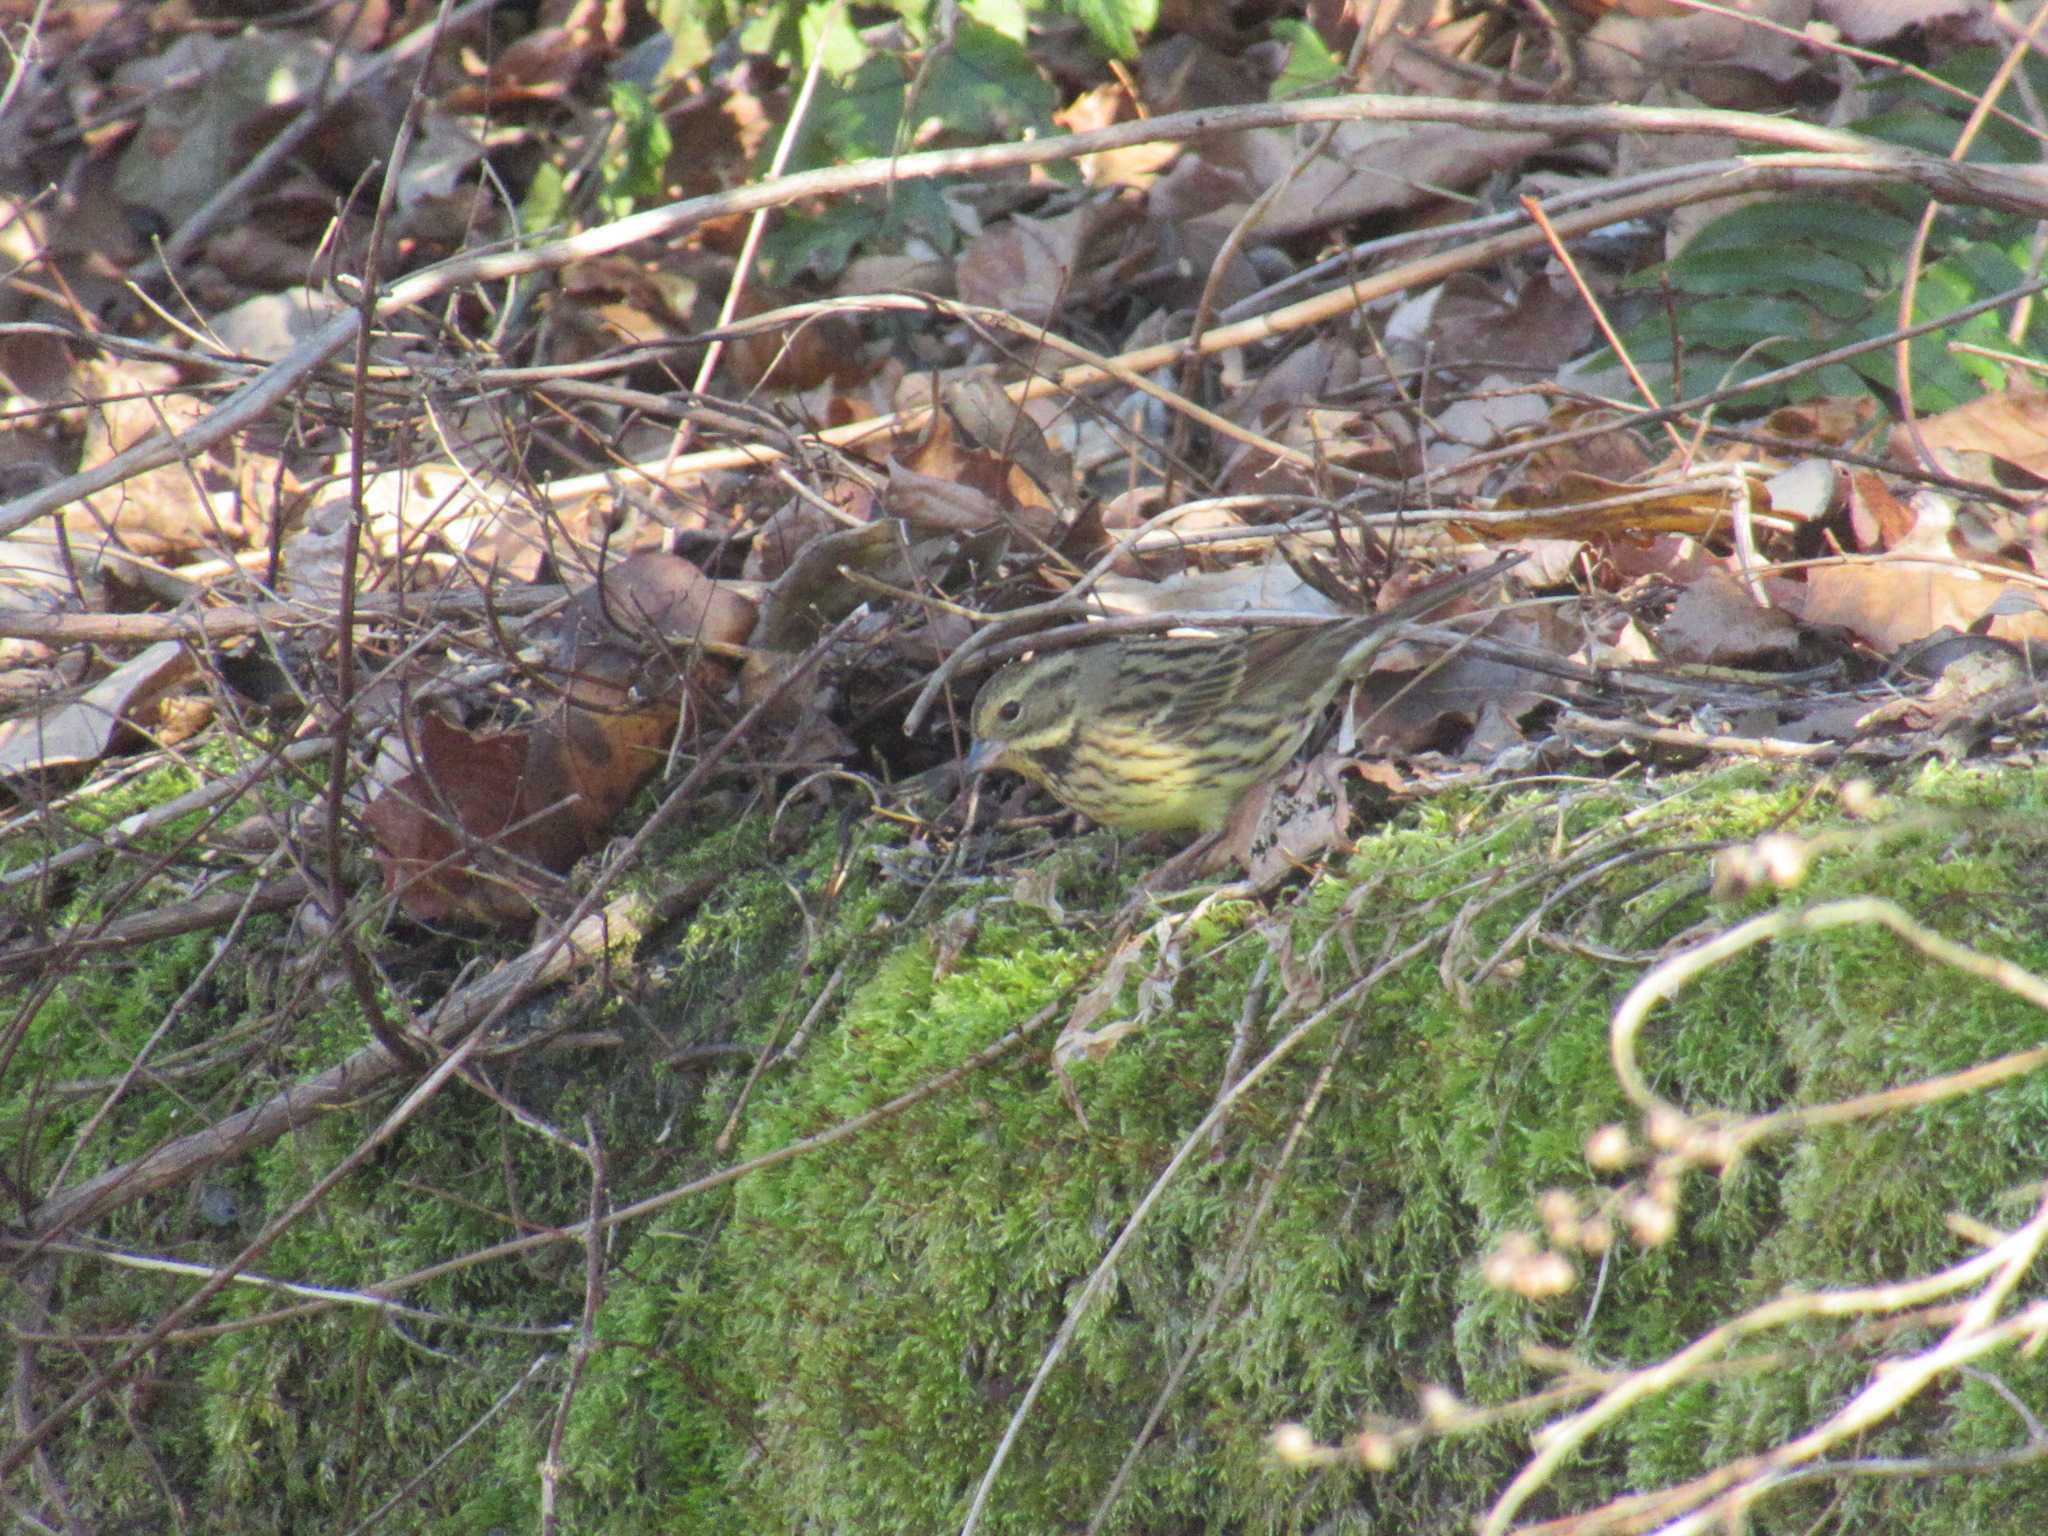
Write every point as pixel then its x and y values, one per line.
pixel 839 1341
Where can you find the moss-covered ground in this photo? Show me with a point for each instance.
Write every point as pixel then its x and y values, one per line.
pixel 837 1343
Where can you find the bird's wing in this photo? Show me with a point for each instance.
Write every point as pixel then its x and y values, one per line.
pixel 1306 665
pixel 1176 686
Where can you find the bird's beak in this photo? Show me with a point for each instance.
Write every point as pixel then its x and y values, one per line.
pixel 983 756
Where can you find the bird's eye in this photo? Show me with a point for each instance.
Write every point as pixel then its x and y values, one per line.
pixel 1011 709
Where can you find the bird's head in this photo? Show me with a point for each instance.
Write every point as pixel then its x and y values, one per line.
pixel 1025 710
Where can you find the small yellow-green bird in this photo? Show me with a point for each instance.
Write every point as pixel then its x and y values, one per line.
pixel 1168 734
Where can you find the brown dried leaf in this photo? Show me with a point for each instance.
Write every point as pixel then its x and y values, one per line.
pixel 1879 518
pixel 1715 621
pixel 1472 325
pixel 779 540
pixel 482 824
pixel 1034 268
pixel 1306 815
pixel 546 64
pixel 612 301
pixel 1916 590
pixel 168 513
pixel 1081 1038
pixel 1873 21
pixel 663 598
pixel 1694 511
pixel 1368 169
pixel 83 730
pixel 267 326
pixel 824 350
pixel 434 828
pixel 1104 106
pixel 1409 710
pixel 1830 422
pixel 1806 491
pixel 1320 366
pixel 988 478
pixel 1721 57
pixel 988 419
pixel 206 98
pixel 1491 414
pixel 2012 426
pixel 1272 586
pixel 1617 457
pixel 934 504
pixel 814 594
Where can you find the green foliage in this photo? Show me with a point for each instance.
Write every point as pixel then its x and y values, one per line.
pixel 90 1031
pixel 1116 25
pixel 981 86
pixel 799 29
pixel 984 89
pixel 633 165
pixel 1779 281
pixel 1785 279
pixel 546 200
pixel 694 28
pixel 1312 70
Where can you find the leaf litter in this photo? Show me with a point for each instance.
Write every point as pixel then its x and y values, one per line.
pixel 541 431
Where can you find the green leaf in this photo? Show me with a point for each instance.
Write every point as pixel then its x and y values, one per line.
pixel 1012 18
pixel 820 242
pixel 1743 270
pixel 854 118
pixel 1781 279
pixel 1939 382
pixel 546 196
pixel 1927 132
pixel 1944 288
pixel 986 87
pixel 633 166
pixel 1312 70
pixel 768 33
pixel 1985 269
pixel 1114 24
pixel 1738 322
pixel 693 27
pixel 1872 237
pixel 1970 73
pixel 828 35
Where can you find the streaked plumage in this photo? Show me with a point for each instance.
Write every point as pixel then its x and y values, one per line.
pixel 1168 734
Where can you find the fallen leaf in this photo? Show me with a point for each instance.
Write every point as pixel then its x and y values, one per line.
pixel 1035 268
pixel 1306 815
pixel 1716 622
pixel 2012 426
pixel 1915 590
pixel 83 730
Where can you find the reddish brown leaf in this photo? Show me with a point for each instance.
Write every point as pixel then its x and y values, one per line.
pixel 1880 519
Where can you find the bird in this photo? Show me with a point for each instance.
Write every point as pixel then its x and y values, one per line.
pixel 1168 734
